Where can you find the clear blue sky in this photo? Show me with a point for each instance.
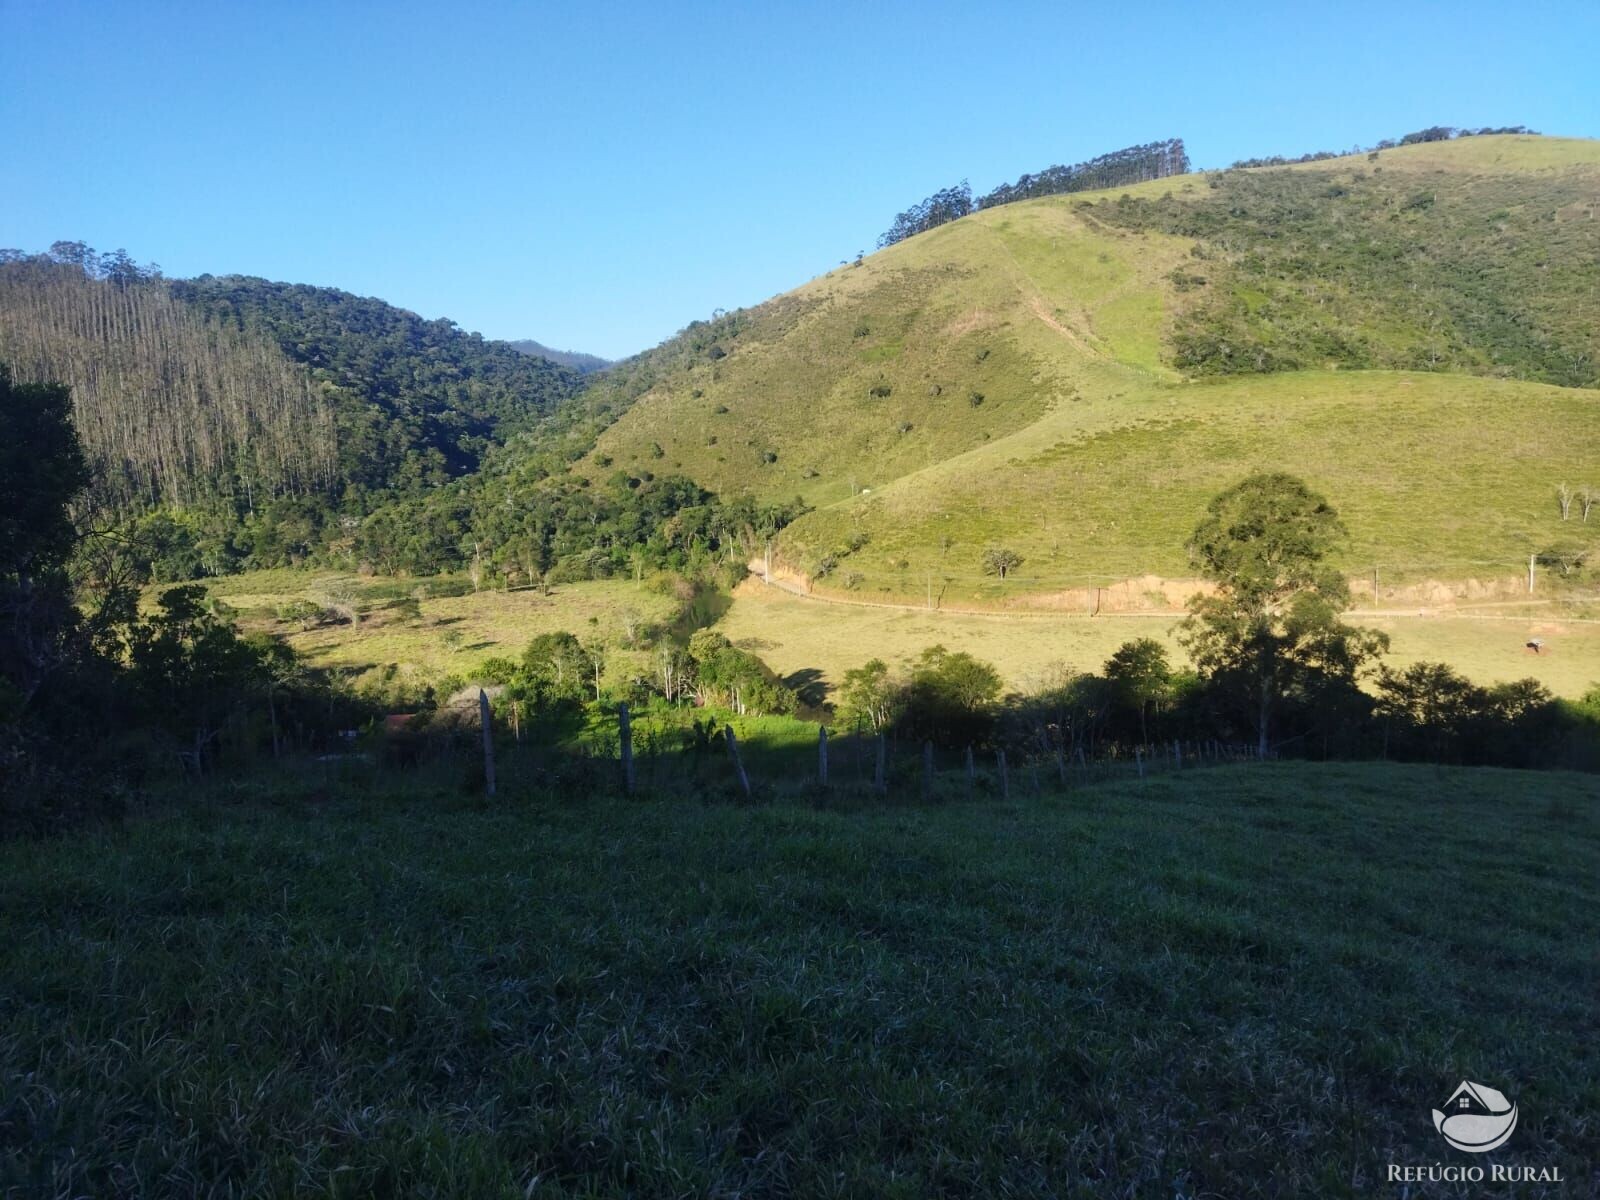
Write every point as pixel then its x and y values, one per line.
pixel 598 175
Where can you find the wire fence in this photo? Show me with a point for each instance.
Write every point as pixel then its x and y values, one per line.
pixel 716 762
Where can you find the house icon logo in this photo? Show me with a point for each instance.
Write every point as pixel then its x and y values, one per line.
pixel 1476 1118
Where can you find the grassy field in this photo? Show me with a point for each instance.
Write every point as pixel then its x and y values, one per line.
pixel 455 629
pixel 797 636
pixel 794 634
pixel 1235 982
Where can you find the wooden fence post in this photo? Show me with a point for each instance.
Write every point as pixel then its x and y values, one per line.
pixel 625 738
pixel 927 770
pixel 1005 777
pixel 880 770
pixel 1138 758
pixel 738 763
pixel 1061 766
pixel 822 755
pixel 488 742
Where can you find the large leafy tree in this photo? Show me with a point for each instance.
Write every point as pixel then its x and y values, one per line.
pixel 1140 676
pixel 1271 630
pixel 951 697
pixel 41 469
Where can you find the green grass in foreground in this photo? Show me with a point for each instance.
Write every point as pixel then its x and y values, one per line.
pixel 1237 982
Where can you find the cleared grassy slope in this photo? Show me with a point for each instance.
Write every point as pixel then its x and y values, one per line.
pixel 922 352
pixel 1437 476
pixel 1087 453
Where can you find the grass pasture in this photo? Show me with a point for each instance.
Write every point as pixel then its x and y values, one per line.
pixel 457 628
pixel 1437 477
pixel 1244 982
pixel 794 634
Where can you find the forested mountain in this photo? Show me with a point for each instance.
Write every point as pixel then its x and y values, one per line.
pixel 245 422
pixel 172 406
pixel 582 363
pixel 418 401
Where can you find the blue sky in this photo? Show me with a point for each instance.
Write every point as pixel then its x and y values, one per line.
pixel 598 175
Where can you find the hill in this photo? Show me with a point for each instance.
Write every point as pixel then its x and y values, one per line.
pixel 1415 332
pixel 584 364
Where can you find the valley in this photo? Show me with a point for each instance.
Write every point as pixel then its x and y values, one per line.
pixel 531 666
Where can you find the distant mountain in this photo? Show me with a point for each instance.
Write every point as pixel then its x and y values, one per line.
pixel 581 363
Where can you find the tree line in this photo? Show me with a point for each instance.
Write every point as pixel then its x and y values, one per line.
pixel 1433 133
pixel 1274 665
pixel 96 689
pixel 1134 164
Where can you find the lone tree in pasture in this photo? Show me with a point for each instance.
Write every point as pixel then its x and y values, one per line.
pixel 997 560
pixel 1564 499
pixel 1272 630
pixel 1586 498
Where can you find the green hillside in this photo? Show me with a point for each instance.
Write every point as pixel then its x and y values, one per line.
pixel 1038 373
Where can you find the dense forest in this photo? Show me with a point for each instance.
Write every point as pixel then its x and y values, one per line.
pixel 1135 164
pixel 418 401
pixel 1358 267
pixel 173 406
pixel 231 422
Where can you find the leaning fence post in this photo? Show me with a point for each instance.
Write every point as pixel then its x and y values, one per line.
pixel 1005 778
pixel 927 770
pixel 822 755
pixel 738 763
pixel 488 742
pixel 625 739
